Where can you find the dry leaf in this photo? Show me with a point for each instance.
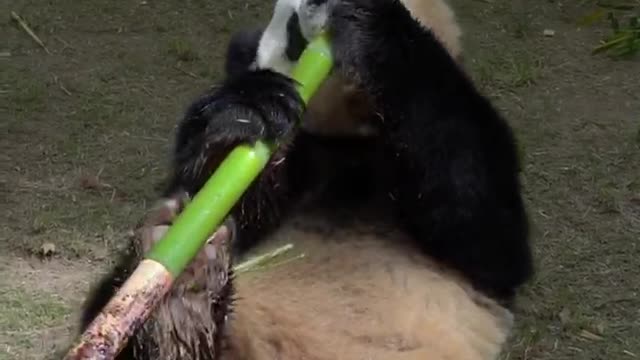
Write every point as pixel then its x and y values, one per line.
pixel 590 336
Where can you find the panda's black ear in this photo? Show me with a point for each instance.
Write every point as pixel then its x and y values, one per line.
pixel 296 43
pixel 242 50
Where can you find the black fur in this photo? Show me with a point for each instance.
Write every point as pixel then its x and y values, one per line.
pixel 248 107
pixel 241 52
pixel 458 185
pixel 296 43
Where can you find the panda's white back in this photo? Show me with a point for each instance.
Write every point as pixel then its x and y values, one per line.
pixel 357 294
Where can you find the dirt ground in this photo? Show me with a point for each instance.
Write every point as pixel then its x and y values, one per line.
pixel 87 128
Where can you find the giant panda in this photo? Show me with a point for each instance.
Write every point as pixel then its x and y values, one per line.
pixel 410 241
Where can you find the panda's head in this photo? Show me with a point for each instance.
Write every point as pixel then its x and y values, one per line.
pixel 338 107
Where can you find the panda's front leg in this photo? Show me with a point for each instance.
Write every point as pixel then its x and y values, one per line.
pixel 456 164
pixel 253 105
pixel 378 44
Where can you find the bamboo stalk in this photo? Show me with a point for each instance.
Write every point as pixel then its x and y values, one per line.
pixel 152 279
pixel 109 332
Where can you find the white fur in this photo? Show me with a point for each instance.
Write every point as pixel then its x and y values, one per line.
pixel 355 297
pixel 273 44
pixel 313 18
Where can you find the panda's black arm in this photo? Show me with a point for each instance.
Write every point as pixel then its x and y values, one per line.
pixel 457 170
pixel 250 106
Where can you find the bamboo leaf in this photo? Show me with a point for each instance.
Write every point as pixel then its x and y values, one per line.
pixel 617 6
pixel 615 40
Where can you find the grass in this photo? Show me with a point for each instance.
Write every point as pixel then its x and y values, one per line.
pixel 182 50
pixel 23 311
pixel 624 19
pixel 26 319
pixel 507 73
pixel 87 131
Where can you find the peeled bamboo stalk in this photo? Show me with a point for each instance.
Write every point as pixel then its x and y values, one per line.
pixel 108 333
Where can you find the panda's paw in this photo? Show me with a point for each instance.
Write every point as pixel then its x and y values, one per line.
pixel 159 218
pixel 157 221
pixel 255 105
pixel 209 268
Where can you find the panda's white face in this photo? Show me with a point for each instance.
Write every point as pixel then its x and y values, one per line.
pixel 271 53
pixel 312 17
pixel 337 108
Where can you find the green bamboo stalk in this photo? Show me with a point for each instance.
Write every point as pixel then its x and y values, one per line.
pixel 107 335
pixel 233 177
